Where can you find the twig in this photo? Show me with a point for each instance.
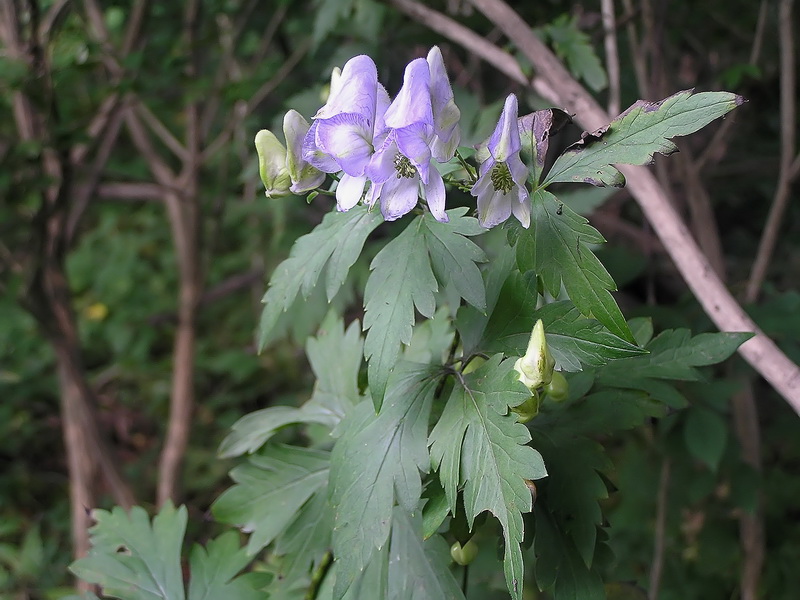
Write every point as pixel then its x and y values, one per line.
pixel 760 351
pixel 659 541
pixel 788 132
pixel 265 90
pixel 612 55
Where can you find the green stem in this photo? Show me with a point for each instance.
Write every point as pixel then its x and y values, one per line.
pixel 318 575
pixel 467 167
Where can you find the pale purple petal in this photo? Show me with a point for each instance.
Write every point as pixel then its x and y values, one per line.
pixel 445 112
pixel 413 101
pixel 435 196
pixel 347 138
pixel 383 101
pixel 354 91
pixel 399 195
pixel 522 210
pixel 494 207
pixel 349 191
pixel 373 193
pixel 314 155
pixel 519 172
pixel 381 165
pixel 412 141
pixel 505 139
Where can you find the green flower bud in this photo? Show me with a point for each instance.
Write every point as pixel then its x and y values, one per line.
pixel 272 164
pixel 464 555
pixel 528 409
pixel 536 367
pixel 304 176
pixel 558 389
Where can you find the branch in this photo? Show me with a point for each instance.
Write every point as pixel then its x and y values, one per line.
pixel 612 55
pixel 760 351
pixel 265 90
pixel 788 127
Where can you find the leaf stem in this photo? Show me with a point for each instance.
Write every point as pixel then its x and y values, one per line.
pixel 467 167
pixel 318 575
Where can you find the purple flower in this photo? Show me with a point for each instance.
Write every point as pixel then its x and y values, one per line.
pixel 342 135
pixel 500 189
pixel 400 170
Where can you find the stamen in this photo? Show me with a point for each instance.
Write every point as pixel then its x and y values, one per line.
pixel 403 166
pixel 501 178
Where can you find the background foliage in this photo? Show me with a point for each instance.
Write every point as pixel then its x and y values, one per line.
pixel 681 482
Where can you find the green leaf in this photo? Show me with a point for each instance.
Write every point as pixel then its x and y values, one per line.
pixel 573 340
pixel 306 540
pixel 706 434
pixel 334 244
pixel 603 411
pixel 376 462
pixel 453 255
pixel 674 354
pixel 471 322
pixel 477 445
pixel 559 567
pixel 436 508
pixel 419 570
pixel 270 489
pixel 574 486
pixel 637 134
pixel 335 358
pixel 403 279
pixel 556 247
pixel 575 48
pixel 214 570
pixel 132 559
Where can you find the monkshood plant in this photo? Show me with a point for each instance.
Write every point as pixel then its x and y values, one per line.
pixel 461 427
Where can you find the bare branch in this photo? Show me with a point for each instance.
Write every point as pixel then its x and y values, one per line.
pixel 160 169
pixel 788 132
pixel 612 55
pixel 161 131
pixel 265 90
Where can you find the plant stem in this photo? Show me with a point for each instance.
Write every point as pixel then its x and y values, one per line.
pixel 318 575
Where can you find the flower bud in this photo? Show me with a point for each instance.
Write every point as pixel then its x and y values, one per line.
pixel 536 367
pixel 304 177
pixel 272 164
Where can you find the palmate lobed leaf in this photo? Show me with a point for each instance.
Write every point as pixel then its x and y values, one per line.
pixel 574 486
pixel 556 248
pixel 418 570
pixel 270 489
pixel 377 462
pixel 335 357
pixel 335 245
pixel 478 445
pixel 403 280
pixel 132 559
pixel 637 134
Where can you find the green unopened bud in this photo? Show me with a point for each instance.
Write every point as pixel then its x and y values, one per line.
pixel 272 164
pixel 536 367
pixel 304 177
pixel 528 409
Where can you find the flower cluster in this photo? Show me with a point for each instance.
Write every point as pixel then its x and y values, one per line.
pixel 385 148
